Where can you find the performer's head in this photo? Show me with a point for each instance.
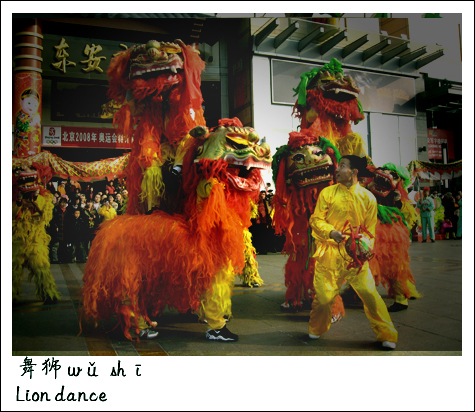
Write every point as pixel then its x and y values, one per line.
pixel 426 191
pixel 349 169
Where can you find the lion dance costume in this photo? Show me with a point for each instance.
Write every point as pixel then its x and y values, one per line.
pixel 327 105
pixel 188 259
pixel 396 216
pixel 157 85
pixel 32 211
pixel 301 169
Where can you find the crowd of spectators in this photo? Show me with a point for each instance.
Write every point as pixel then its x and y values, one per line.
pixel 264 238
pixel 452 225
pixel 79 209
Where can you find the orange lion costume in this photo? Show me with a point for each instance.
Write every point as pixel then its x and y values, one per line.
pixel 391 264
pixel 301 169
pixel 328 104
pixel 188 259
pixel 157 85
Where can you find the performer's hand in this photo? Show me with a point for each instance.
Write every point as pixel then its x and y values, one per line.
pixel 337 236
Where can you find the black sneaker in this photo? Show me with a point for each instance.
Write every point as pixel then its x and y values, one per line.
pixel 251 285
pixel 223 335
pixel 397 307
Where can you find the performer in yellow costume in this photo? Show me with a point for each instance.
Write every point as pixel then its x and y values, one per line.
pixel 345 202
pixel 32 210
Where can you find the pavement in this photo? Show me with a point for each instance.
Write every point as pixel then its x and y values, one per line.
pixel 431 326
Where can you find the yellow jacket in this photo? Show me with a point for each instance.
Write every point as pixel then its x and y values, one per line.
pixel 107 214
pixel 337 204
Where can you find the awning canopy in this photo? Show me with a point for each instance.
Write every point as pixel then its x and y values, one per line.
pixel 427 171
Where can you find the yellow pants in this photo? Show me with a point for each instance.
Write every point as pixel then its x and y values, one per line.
pixel 216 302
pixel 327 283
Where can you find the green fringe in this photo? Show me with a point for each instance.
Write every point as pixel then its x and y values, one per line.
pixel 388 215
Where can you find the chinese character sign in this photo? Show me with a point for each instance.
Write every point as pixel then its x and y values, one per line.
pixel 435 139
pixel 62 56
pixel 93 61
pixel 90 137
pixel 27 93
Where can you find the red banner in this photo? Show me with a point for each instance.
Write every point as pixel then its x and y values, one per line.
pixel 435 139
pixel 85 137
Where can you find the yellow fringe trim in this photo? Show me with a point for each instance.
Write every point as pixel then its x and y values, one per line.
pixel 180 150
pixel 152 186
pixel 409 213
pixel 250 274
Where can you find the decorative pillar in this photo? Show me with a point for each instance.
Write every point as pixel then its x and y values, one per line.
pixel 27 90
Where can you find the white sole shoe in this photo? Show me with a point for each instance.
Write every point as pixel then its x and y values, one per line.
pixel 389 345
pixel 336 318
pixel 313 336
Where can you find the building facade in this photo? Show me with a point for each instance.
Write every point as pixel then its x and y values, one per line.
pixel 408 68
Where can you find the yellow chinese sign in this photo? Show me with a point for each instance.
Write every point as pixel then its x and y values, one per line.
pixel 91 51
pixel 62 56
pixel 93 61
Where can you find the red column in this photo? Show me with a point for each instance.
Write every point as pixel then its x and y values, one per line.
pixel 27 90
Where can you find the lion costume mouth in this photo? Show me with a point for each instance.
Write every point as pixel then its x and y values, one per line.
pixel 147 70
pixel 157 59
pixel 340 94
pixel 313 175
pixel 383 183
pixel 244 178
pixel 339 88
pixel 27 181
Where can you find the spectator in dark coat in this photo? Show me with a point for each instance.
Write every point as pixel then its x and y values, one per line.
pixel 76 235
pixel 93 220
pixel 58 231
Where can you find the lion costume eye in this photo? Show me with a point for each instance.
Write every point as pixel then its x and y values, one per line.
pixel 298 158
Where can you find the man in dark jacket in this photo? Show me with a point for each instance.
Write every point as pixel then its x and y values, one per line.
pixel 76 236
pixel 57 231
